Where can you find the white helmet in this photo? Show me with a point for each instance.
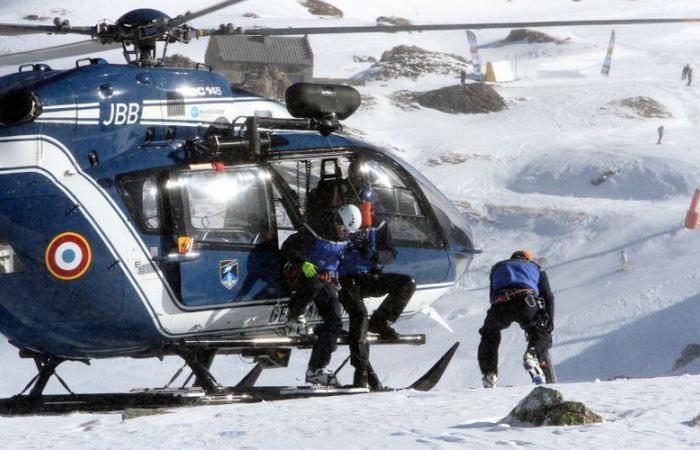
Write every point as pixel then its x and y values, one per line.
pixel 350 217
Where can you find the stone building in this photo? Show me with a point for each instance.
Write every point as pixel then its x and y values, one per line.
pixel 241 58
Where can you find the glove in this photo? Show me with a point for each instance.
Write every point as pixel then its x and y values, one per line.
pixel 309 269
pixel 297 326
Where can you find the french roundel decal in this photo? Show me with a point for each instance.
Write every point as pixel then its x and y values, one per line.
pixel 68 256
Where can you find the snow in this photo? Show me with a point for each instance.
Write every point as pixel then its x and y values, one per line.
pixel 524 180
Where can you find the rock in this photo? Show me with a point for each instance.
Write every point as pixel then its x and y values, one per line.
pixel 637 108
pixel 546 407
pixel 177 60
pixel 364 59
pixel 688 355
pixel 321 8
pixel 603 177
pixel 35 17
pixel 392 20
pixel 470 99
pixel 531 37
pixel 409 61
pixel 571 413
pixel 694 422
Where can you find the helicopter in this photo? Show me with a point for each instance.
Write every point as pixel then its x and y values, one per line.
pixel 143 207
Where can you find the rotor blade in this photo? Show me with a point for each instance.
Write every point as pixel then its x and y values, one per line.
pixel 58 51
pixel 193 15
pixel 441 27
pixel 9 29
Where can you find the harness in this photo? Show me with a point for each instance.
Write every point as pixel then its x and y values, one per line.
pixel 507 295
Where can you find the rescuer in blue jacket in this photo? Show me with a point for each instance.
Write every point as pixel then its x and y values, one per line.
pixel 362 275
pixel 316 257
pixel 519 292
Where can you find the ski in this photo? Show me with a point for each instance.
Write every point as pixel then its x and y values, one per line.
pixel 167 398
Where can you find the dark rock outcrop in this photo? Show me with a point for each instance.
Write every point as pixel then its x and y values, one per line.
pixel 470 99
pixel 321 8
pixel 408 61
pixel 546 407
pixel 531 37
pixel 637 108
pixel 689 354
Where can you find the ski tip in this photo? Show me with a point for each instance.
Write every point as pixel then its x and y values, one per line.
pixel 434 374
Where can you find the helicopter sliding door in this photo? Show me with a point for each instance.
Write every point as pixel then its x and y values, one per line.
pixel 229 215
pixel 422 250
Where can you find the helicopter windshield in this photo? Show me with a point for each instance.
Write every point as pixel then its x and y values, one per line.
pixel 457 229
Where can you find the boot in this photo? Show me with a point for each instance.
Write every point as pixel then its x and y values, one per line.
pixel 374 383
pixel 383 329
pixel 532 365
pixel 361 379
pixel 489 380
pixel 322 376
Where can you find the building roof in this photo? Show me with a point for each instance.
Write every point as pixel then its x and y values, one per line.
pixel 263 49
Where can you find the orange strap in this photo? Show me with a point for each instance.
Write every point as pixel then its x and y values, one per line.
pixel 510 294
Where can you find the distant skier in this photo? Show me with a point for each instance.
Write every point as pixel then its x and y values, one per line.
pixel 660 131
pixel 690 76
pixel 624 261
pixel 463 77
pixel 519 292
pixel 684 74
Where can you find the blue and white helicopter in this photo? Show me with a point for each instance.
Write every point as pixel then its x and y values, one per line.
pixel 142 208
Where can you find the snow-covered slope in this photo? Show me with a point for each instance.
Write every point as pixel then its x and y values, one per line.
pixel 523 176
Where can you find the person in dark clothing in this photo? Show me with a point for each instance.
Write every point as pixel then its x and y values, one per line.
pixel 361 276
pixel 684 74
pixel 519 292
pixel 316 258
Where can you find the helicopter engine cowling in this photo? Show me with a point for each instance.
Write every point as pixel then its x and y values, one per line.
pixel 17 107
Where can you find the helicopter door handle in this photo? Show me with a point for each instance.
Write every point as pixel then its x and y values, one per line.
pixel 177 257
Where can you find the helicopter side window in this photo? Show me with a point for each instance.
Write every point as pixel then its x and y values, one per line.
pixel 395 203
pixel 142 198
pixel 230 207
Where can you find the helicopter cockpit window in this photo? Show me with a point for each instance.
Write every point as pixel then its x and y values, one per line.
pixel 142 198
pixel 394 202
pixel 230 207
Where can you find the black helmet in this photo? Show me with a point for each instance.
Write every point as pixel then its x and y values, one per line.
pixel 522 254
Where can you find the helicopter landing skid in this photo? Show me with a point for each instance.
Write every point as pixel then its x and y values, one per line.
pixel 131 403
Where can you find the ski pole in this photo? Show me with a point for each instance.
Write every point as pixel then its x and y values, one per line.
pixel 341 365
